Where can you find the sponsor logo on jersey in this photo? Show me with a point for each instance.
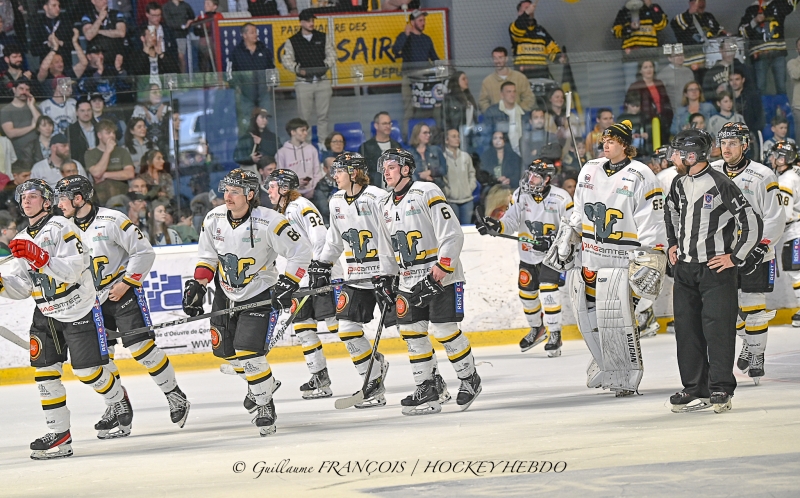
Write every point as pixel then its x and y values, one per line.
pixel 215 338
pixel 218 236
pixel 402 306
pixel 412 209
pixel 525 278
pixel 624 191
pixel 708 201
pixel 300 273
pixel 459 287
pixel 445 261
pixel 586 183
pixel 46 242
pixel 364 210
pixel 341 303
pixel 36 348
pixel 338 213
pixel 99 237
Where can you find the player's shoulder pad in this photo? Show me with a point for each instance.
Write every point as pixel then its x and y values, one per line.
pixel 761 172
pixel 266 217
pixel 429 191
pixel 59 223
pixel 718 165
pixel 374 194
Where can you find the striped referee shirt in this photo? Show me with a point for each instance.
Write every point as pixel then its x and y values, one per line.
pixel 704 213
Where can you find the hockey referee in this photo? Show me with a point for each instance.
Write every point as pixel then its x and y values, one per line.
pixel 703 213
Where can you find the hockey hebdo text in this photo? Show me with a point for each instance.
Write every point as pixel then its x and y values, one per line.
pixel 477 468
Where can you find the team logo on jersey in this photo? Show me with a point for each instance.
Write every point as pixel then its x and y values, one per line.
pixel 525 277
pixel 402 306
pixel 215 338
pixel 234 270
pixel 341 303
pixel 405 244
pixel 708 201
pixel 359 241
pixel 537 228
pixel 36 348
pixel 50 288
pixel 586 183
pixel 604 219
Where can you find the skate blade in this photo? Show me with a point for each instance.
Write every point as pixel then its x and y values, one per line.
pixel 445 397
pixel 325 392
pixel 693 406
pixel 424 409
pixel 121 431
pixel 467 405
pixel 182 420
pixel 373 402
pixel 277 386
pixel 554 354
pixel 535 343
pixel 722 407
pixel 650 331
pixel 65 450
pixel 267 430
pixel 756 380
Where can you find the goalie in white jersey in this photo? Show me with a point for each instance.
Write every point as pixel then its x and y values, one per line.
pixel 53 268
pixel 238 245
pixel 784 157
pixel 427 241
pixel 535 213
pixel 760 187
pixel 120 256
pixel 283 188
pixel 617 232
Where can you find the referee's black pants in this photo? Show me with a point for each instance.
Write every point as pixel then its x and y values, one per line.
pixel 705 304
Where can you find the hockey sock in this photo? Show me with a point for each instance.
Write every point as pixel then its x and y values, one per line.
pixel 795 276
pixel 420 350
pixel 551 297
pixel 532 307
pixel 156 362
pixel 457 347
pixel 54 397
pixel 312 346
pixel 111 365
pixel 237 367
pixel 259 375
pixel 102 381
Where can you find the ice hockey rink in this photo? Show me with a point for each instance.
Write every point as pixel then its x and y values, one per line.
pixel 534 414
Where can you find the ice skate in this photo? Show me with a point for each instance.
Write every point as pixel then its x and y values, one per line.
pixel 265 419
pixel 374 393
pixel 685 403
pixel 671 327
pixel 318 386
pixel 796 319
pixel 721 401
pixel 469 390
pixel 594 376
pixel 441 388
pixel 249 402
pixel 534 337
pixel 648 325
pixel 623 393
pixel 117 420
pixel 743 363
pixel 424 400
pixel 43 446
pixel 178 406
pixel 553 346
pixel 756 370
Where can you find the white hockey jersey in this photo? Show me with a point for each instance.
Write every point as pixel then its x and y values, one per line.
pixel 118 250
pixel 304 217
pixel 789 198
pixel 358 229
pixel 531 218
pixel 665 177
pixel 617 213
pixel 760 187
pixel 63 288
pixel 245 271
pixel 62 115
pixel 424 232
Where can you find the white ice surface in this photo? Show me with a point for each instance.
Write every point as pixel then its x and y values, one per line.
pixel 532 408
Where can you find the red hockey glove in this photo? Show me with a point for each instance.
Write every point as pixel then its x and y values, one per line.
pixel 28 249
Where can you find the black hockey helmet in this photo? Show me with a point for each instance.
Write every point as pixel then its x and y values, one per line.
pixel 537 177
pixel 734 130
pixel 692 141
pixel 34 185
pixel 246 180
pixel 785 153
pixel 660 154
pixel 72 185
pixel 285 179
pixel 400 156
pixel 350 162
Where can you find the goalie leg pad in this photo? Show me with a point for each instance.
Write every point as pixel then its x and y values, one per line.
pixel 586 318
pixel 619 338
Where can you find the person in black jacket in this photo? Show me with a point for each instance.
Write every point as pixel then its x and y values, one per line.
pixel 82 134
pixel 375 146
pixel 51 32
pixel 140 62
pixel 258 143
pixel 249 60
pixel 460 108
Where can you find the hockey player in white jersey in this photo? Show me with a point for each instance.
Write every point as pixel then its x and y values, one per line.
pixel 282 186
pixel 427 241
pixel 357 229
pixel 617 233
pixel 53 268
pixel 238 244
pixel 535 212
pixel 665 177
pixel 120 256
pixel 760 187
pixel 785 161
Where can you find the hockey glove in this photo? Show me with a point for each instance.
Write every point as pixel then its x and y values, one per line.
pixel 542 244
pixel 488 224
pixel 755 258
pixel 424 290
pixel 319 274
pixel 385 289
pixel 193 294
pixel 282 293
pixel 27 249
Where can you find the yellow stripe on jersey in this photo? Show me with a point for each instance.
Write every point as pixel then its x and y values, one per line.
pixel 787 190
pixel 293 278
pixel 283 225
pixel 308 210
pixel 653 193
pixel 126 225
pixel 206 265
pixel 436 200
pixel 772 186
pixel 70 236
pixel 569 206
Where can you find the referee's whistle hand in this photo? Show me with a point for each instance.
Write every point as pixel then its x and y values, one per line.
pixel 721 262
pixel 673 255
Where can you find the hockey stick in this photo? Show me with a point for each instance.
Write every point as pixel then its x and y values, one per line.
pixel 6 259
pixel 569 125
pixel 358 397
pixel 277 337
pixel 189 319
pixel 493 233
pixel 14 338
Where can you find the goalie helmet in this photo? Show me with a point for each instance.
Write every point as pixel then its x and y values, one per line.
pixel 349 162
pixel 285 179
pixel 692 141
pixel 400 156
pixel 785 153
pixel 73 185
pixel 34 185
pixel 537 177
pixel 734 130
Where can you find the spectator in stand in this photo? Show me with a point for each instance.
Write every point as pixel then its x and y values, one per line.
pixel 61 106
pixel 725 114
pixel 310 54
pixel 400 4
pixel 8 37
pixel 693 28
pixel 40 149
pixel 334 145
pixel 632 112
pixel 490 88
pixel 138 185
pixel 136 141
pixel 569 183
pixel 18 119
pixel 156 115
pixel 210 12
pixel 430 160
pixel 8 230
pixel 461 180
pixel 693 101
pixel 105 29
pixel 164 35
pixel 655 102
pixel 300 157
pixel 51 32
pixel 178 16
pixel 153 170
pixel 99 77
pixel 534 137
pixel 675 76
pixel 185 227
pixel 265 168
pixel 151 60
pixel 257 143
pixel 460 108
pixel 13 56
pixel 417 51
pixel 501 161
pixel 593 144
pixel 158 229
pixel 763 24
pixel 101 112
pixel 716 79
pixel 532 45
pixel 638 29
pixel 8 156
pixel 49 169
pixel 250 58
pixel 556 118
pixel 69 168
pixel 375 146
pixel 260 8
pixel 793 67
pixel 82 134
pixel 21 172
pixel 780 128
pixel 747 102
pixel 110 166
pixel 53 69
pixel 506 116
pixel 697 121
pixel 572 161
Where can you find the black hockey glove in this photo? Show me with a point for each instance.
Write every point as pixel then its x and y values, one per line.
pixel 193 294
pixel 282 293
pixel 319 274
pixel 424 290
pixel 486 225
pixel 385 289
pixel 751 262
pixel 542 243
